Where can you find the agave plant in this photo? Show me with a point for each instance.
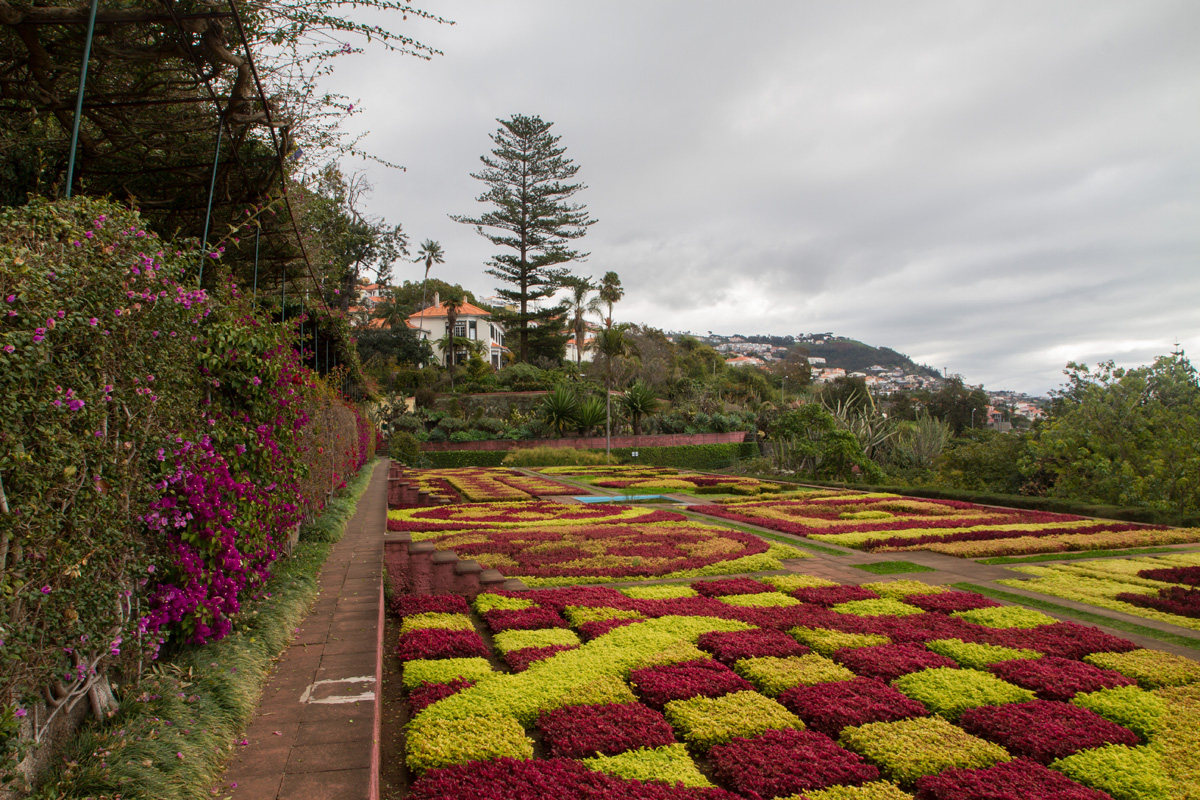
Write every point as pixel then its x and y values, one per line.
pixel 589 415
pixel 560 409
pixel 637 401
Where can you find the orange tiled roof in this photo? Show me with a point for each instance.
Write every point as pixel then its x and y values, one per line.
pixel 465 310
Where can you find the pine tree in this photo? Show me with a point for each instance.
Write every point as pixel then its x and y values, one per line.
pixel 528 179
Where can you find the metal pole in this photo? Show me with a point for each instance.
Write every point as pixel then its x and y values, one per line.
pixel 212 188
pixel 257 234
pixel 283 300
pixel 83 70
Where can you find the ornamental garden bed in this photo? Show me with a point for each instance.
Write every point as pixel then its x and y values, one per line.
pixel 487 484
pixel 736 688
pixel 548 544
pixel 664 479
pixel 892 523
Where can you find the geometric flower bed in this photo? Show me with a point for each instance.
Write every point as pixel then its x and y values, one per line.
pixel 894 523
pixel 472 516
pixel 486 484
pixel 639 706
pixel 665 479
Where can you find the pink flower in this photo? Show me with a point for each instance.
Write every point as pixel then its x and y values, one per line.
pixel 8 348
pixel 93 322
pixel 20 712
pixel 12 298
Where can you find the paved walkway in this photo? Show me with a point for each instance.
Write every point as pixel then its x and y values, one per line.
pixel 314 734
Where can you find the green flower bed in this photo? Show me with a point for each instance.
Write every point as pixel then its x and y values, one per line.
pixel 773 676
pixel 1126 773
pixel 577 615
pixel 876 790
pixel 670 764
pixel 912 748
pixel 1005 617
pixel 432 619
pixel 1178 738
pixel 542 637
pixel 763 600
pixel 707 721
pixel 827 642
pixel 976 655
pixel 433 743
pixel 662 591
pixel 489 601
pixel 884 607
pixel 445 670
pixel 790 583
pixel 1135 708
pixel 1150 668
pixel 949 692
pixel 898 590
pixel 866 515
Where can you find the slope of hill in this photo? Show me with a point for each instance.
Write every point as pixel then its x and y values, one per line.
pixel 854 356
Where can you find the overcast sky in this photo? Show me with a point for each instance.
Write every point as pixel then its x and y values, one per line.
pixel 994 187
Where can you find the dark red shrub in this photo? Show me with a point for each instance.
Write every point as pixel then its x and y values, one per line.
pixel 832 595
pixel 727 586
pixel 1044 730
pixel 560 778
pixel 1062 639
pixel 404 605
pixel 781 763
pixel 728 647
pixel 920 628
pixel 440 643
pixel 1187 575
pixel 948 602
pixel 519 660
pixel 828 707
pixel 886 662
pixel 1171 600
pixel 656 686
pixel 429 693
pixel 597 628
pixel 1055 678
pixel 1012 780
pixel 584 731
pixel 525 619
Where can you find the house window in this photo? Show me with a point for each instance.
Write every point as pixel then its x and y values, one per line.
pixel 474 333
pixel 460 329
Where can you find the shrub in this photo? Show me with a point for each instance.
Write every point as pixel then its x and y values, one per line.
pixel 913 748
pixel 950 692
pixel 1150 668
pixel 577 615
pixel 876 790
pixel 1129 706
pixel 440 643
pixel 1044 730
pixel 657 686
pixel 887 662
pixel 441 742
pixel 898 590
pixel 1006 617
pixel 790 583
pixel 704 721
pixel 659 591
pixel 977 655
pixel 436 619
pixel 425 695
pixel 947 602
pixel 773 676
pixel 581 731
pixel 490 601
pixel 404 448
pixel 1062 639
pixel 829 707
pixel 764 600
pixel 1126 773
pixel 543 637
pixel 454 459
pixel 533 618
pixel 669 764
pixel 689 456
pixel 883 607
pixel 1012 779
pixel 736 645
pixel 1177 600
pixel 553 457
pixel 446 670
pixel 833 595
pixel 403 605
pixel 729 586
pixel 1058 678
pixel 827 642
pixel 522 658
pixel 766 765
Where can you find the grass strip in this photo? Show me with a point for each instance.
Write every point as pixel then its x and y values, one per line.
pixel 1137 551
pixel 893 567
pixel 803 544
pixel 176 726
pixel 1084 616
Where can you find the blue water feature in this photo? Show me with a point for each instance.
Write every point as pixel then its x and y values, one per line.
pixel 628 498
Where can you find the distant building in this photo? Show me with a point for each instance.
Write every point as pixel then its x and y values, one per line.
pixel 473 323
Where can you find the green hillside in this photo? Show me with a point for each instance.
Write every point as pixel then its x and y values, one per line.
pixel 854 356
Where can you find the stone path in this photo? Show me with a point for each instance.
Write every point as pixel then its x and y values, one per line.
pixel 315 732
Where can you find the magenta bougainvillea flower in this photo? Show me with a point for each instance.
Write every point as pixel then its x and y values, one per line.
pixel 657 686
pixel 728 647
pixel 440 643
pixel 584 731
pixel 828 707
pixel 1017 779
pixel 780 763
pixel 1054 678
pixel 1043 730
pixel 889 661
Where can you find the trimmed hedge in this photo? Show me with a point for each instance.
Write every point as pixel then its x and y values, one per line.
pixel 913 748
pixel 1126 773
pixel 689 456
pixel 949 692
pixel 452 459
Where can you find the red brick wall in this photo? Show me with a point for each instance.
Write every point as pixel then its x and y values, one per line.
pixel 591 442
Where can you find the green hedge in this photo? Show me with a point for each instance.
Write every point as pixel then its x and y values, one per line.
pixel 688 456
pixel 451 459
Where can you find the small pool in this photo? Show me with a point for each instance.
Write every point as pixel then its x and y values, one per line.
pixel 627 498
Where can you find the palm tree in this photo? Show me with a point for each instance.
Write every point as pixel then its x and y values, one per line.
pixel 612 343
pixel 639 400
pixel 453 302
pixel 431 253
pixel 610 294
pixel 578 305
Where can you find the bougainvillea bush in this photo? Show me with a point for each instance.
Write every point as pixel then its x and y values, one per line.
pixel 157 443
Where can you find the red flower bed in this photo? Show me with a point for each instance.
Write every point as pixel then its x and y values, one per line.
pixel 828 707
pixel 656 686
pixel 440 643
pixel 780 763
pixel 584 731
pixel 924 628
pixel 949 602
pixel 1017 780
pixel 560 778
pixel 1043 730
pixel 887 662
pixel 728 647
pixel 472 516
pixel 1172 600
pixel 1187 575
pixel 1062 639
pixel 524 619
pixel 728 586
pixel 833 595
pixel 520 659
pixel 404 605
pixel 429 693
pixel 597 628
pixel 1054 678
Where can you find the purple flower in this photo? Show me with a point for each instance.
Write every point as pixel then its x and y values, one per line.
pixel 93 322
pixel 20 712
pixel 8 348
pixel 12 298
pixel 45 590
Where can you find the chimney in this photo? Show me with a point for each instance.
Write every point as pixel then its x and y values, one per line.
pixel 436 300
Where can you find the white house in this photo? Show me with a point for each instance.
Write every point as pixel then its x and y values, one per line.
pixel 472 323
